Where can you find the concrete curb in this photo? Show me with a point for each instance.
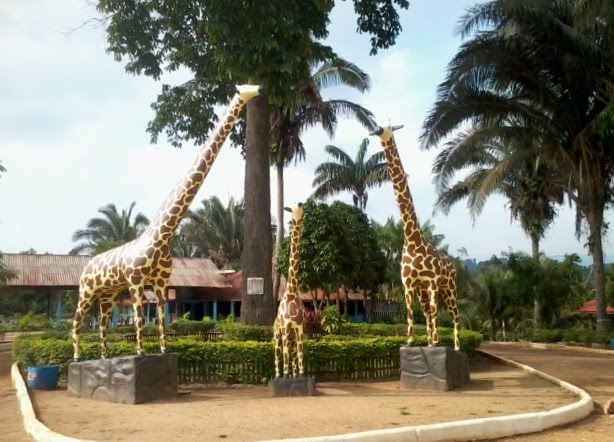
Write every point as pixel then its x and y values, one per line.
pixel 476 429
pixel 472 429
pixel 557 346
pixel 32 425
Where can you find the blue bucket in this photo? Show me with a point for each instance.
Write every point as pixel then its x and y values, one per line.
pixel 43 377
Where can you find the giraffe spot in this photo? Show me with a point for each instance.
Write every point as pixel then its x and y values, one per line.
pixel 136 279
pixel 165 274
pixel 140 261
pixel 427 274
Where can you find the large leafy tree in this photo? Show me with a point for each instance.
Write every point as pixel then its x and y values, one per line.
pixel 289 122
pixel 338 249
pixel 221 44
pixel 537 70
pixel 110 230
pixel 216 231
pixel 5 272
pixel 354 175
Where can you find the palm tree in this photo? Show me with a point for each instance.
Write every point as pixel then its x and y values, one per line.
pixel 288 123
pixel 109 231
pixel 345 174
pixel 533 72
pixel 2 168
pixel 216 230
pixel 531 187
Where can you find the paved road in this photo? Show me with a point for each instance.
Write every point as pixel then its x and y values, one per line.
pixel 11 428
pixel 591 371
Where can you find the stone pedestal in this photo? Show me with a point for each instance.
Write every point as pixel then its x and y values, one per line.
pixel 299 386
pixel 125 379
pixel 433 368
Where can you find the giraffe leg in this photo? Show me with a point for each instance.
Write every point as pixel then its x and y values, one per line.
pixel 160 291
pixel 106 310
pixel 425 303
pixel 136 294
pixel 449 296
pixel 86 298
pixel 299 351
pixel 286 351
pixel 278 347
pixel 409 301
pixel 432 291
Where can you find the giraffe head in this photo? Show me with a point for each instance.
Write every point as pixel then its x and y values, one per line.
pixel 385 133
pixel 297 212
pixel 248 91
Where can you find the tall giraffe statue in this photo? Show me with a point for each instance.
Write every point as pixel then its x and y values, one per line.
pixel 425 271
pixel 147 259
pixel 288 327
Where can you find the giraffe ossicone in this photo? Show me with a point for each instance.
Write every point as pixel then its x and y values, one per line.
pixel 288 326
pixel 146 261
pixel 426 272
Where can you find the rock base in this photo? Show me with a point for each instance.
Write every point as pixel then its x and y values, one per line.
pixel 125 379
pixel 433 368
pixel 299 386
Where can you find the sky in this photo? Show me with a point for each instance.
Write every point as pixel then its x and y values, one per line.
pixel 73 139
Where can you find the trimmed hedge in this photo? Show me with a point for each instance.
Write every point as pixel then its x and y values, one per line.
pixel 248 362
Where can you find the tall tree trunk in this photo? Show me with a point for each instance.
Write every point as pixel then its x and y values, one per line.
pixel 537 303
pixel 595 220
pixel 257 247
pixel 279 166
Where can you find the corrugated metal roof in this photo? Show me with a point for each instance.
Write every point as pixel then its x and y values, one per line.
pixel 591 307
pixel 63 271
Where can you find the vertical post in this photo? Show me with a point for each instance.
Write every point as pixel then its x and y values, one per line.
pixel 147 304
pixel 232 309
pixel 167 314
pixel 115 317
pixel 215 310
pixel 58 309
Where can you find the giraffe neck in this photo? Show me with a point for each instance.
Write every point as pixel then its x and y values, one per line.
pixel 292 288
pixel 176 204
pixel 411 227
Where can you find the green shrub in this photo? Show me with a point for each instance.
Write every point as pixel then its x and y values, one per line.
pixel 30 321
pixel 245 362
pixel 3 330
pixel 188 327
pixel 331 320
pixel 584 336
pixel 239 332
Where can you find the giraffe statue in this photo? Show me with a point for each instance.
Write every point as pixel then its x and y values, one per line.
pixel 147 259
pixel 425 271
pixel 288 327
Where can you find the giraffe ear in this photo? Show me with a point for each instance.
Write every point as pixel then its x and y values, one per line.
pixel 287 209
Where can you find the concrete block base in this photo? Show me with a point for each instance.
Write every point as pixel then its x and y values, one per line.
pixel 125 379
pixel 433 368
pixel 299 386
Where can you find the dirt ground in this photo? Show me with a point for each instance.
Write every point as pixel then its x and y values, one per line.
pixel 250 414
pixel 589 370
